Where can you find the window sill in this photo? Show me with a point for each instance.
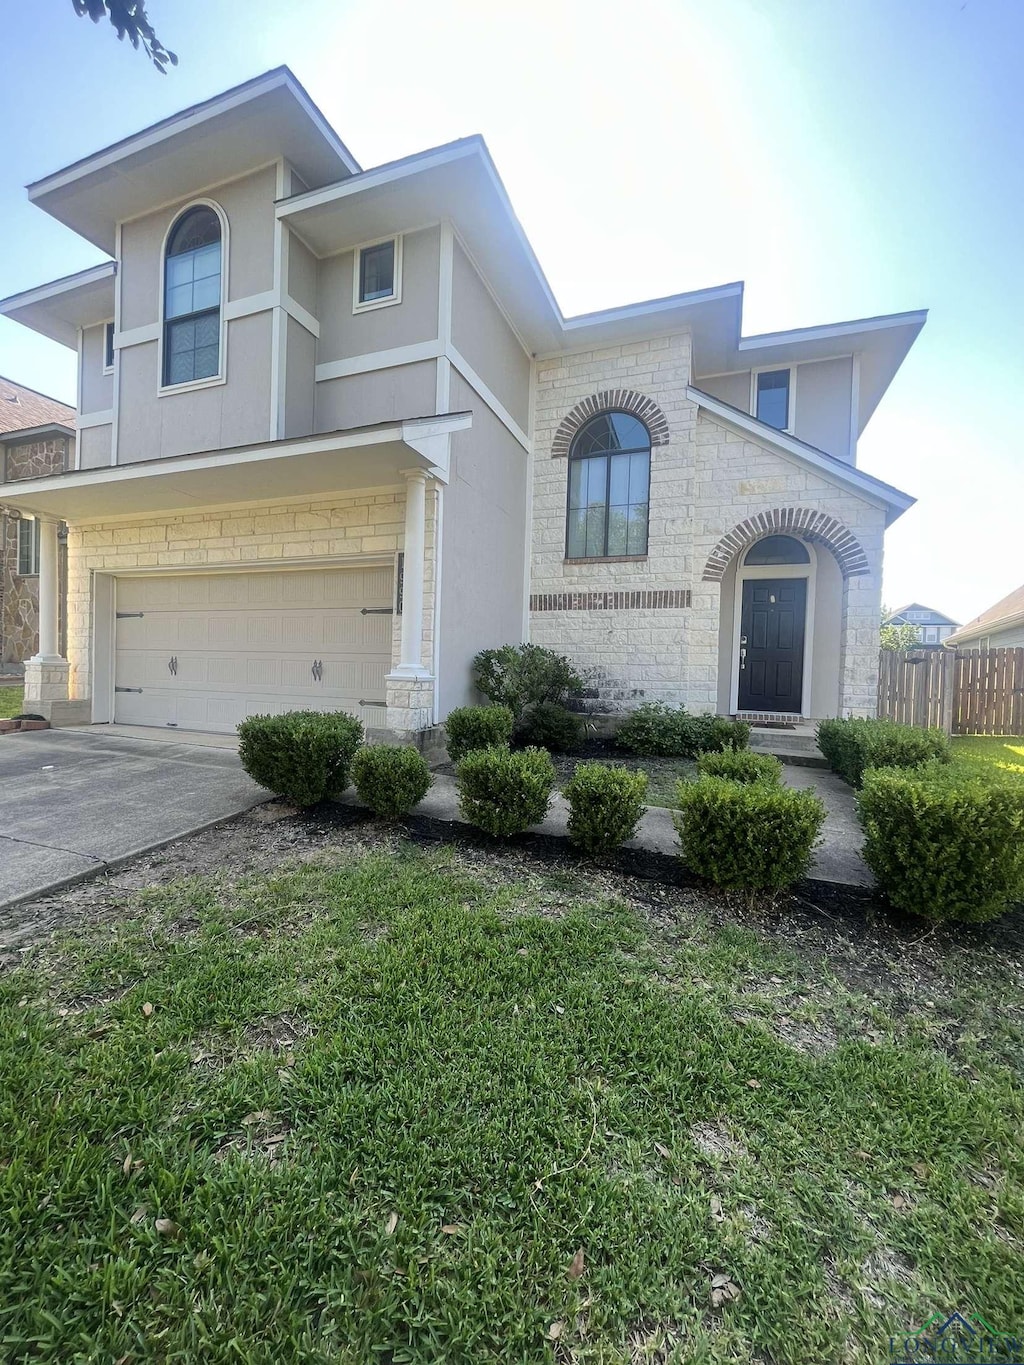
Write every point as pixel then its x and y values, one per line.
pixel 371 304
pixel 606 559
pixel 190 385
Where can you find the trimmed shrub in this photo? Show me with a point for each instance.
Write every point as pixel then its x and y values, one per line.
pixel 550 726
pixel 504 792
pixel 521 676
pixel 303 756
pixel 655 730
pixel 749 835
pixel 605 806
pixel 852 746
pixel 477 727
pixel 944 844
pixel 390 778
pixel 741 765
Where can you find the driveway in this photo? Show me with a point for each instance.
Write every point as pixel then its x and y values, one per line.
pixel 73 801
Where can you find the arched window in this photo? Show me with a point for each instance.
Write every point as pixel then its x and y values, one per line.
pixel 609 488
pixel 777 550
pixel 192 270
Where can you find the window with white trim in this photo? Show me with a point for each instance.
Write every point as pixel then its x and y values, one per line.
pixel 28 547
pixel 108 347
pixel 192 290
pixel 609 488
pixel 378 274
pixel 772 398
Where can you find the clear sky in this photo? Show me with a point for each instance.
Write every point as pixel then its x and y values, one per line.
pixel 843 157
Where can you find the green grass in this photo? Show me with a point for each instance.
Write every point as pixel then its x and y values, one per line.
pixel 385 1100
pixel 10 701
pixel 1004 754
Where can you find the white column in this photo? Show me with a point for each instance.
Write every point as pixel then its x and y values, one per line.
pixel 410 664
pixel 49 644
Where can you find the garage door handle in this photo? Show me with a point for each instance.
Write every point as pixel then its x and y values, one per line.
pixel 172 665
pixel 129 615
pixel 376 611
pixel 362 702
pixel 318 670
pixel 127 689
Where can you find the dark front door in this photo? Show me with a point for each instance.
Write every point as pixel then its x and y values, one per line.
pixel 772 636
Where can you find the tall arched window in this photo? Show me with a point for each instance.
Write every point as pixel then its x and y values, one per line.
pixel 192 268
pixel 609 488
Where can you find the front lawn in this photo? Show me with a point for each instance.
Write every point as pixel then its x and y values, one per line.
pixel 1000 752
pixel 413 1106
pixel 10 701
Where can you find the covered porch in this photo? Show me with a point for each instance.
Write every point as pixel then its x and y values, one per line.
pixel 199 584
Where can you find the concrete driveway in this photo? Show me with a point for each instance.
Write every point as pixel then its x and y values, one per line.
pixel 73 801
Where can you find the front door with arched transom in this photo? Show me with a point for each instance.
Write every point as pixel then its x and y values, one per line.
pixel 773 618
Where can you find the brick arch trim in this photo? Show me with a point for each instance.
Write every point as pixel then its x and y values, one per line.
pixel 611 400
pixel 800 521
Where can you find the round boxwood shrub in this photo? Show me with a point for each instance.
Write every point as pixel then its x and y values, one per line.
pixel 390 778
pixel 477 727
pixel 655 730
pixel 852 746
pixel 753 836
pixel 605 806
pixel 304 756
pixel 943 844
pixel 740 765
pixel 504 792
pixel 550 726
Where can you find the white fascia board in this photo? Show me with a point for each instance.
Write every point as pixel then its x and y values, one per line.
pixel 975 632
pixel 67 284
pixel 652 307
pixel 387 174
pixel 837 470
pixel 833 331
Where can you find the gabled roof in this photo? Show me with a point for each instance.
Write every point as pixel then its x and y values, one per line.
pixel 23 409
pixel 940 617
pixel 838 471
pixel 1006 612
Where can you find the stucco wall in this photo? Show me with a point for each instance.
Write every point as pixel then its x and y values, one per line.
pixel 377 396
pixel 97 388
pixel 94 447
pixel 299 362
pixel 483 546
pixel 344 334
pixel 484 338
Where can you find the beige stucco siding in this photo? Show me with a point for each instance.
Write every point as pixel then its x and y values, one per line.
pixel 730 388
pixel 300 361
pixel 483 546
pixel 484 338
pixel 94 447
pixel 377 396
pixel 302 273
pixel 345 334
pixel 97 393
pixel 823 405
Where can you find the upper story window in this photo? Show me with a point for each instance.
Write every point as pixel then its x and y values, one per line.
pixel 192 294
pixel 378 274
pixel 28 547
pixel 609 488
pixel 108 347
pixel 773 398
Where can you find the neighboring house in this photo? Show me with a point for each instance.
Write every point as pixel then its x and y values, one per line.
pixel 935 628
pixel 1001 627
pixel 335 437
pixel 37 438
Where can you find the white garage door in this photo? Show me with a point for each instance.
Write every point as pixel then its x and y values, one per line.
pixel 203 651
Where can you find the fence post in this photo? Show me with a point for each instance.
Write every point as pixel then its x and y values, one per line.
pixel 947 688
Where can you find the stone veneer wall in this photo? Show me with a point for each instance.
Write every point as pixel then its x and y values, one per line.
pixel 658 637
pixel 341 526
pixel 19 596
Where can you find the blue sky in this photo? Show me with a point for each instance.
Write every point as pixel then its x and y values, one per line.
pixel 843 157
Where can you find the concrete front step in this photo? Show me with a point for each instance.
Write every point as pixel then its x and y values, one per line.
pixel 797 746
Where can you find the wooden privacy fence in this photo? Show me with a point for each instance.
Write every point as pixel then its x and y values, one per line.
pixel 977 692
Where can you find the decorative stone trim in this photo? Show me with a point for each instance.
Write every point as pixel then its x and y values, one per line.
pixel 801 521
pixel 645 599
pixel 611 400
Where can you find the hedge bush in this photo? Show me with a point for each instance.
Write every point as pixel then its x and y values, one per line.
pixel 655 730
pixel 852 746
pixel 303 756
pixel 477 727
pixel 943 844
pixel 749 835
pixel 550 726
pixel 741 765
pixel 521 676
pixel 605 806
pixel 390 778
pixel 504 792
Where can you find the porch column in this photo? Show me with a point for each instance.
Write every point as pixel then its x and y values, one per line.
pixel 410 663
pixel 46 673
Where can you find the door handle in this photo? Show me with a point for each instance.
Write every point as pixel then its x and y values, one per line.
pixel 172 665
pixel 317 670
pixel 743 658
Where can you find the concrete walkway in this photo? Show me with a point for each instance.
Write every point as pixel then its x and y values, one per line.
pixel 75 801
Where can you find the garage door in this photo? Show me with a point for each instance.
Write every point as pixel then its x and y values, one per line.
pixel 203 651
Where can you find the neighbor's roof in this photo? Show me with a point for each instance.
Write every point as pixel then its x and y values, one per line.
pixel 943 619
pixel 22 409
pixel 1005 612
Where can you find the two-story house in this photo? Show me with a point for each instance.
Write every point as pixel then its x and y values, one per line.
pixel 934 627
pixel 335 436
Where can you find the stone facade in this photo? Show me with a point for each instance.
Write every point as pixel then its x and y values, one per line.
pixel 337 528
pixel 19 594
pixel 653 627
